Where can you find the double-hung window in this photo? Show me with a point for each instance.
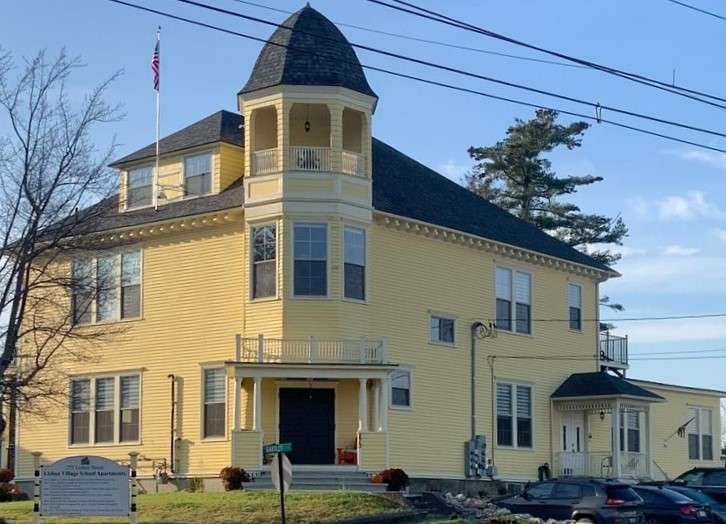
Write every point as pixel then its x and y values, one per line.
pixel 700 433
pixel 311 260
pixel 514 415
pixel 264 261
pixel 139 187
pixel 129 409
pixel 83 294
pixel 104 414
pixel 131 284
pixel 514 300
pixel 574 299
pixel 107 282
pixel 442 330
pixel 80 411
pixel 401 388
pixel 354 240
pixel 198 174
pixel 630 431
pixel 214 402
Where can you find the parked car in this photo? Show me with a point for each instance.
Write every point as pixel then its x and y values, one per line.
pixel 584 500
pixel 712 481
pixel 716 510
pixel 662 505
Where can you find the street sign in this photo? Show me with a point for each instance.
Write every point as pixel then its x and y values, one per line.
pixel 284 478
pixel 283 447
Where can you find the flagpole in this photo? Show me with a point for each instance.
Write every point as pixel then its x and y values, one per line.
pixel 155 195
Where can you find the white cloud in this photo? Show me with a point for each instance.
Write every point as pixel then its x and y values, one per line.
pixel 712 158
pixel 689 206
pixel 680 251
pixel 720 234
pixel 453 170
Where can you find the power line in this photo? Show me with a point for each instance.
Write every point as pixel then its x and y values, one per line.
pixel 426 40
pixel 698 9
pixel 595 105
pixel 633 77
pixel 431 82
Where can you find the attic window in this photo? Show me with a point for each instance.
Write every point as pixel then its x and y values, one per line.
pixel 138 192
pixel 198 175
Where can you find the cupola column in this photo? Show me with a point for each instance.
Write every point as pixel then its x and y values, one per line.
pixel 283 133
pixel 336 136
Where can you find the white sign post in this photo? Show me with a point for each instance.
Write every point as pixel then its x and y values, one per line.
pixel 85 486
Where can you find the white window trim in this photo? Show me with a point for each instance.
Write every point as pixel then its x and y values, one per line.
pixel 514 384
pixel 252 227
pixel 391 405
pixel 225 437
pixel 512 301
pixel 183 181
pixel 582 323
pixel 700 458
pixel 328 257
pixel 342 262
pixel 453 318
pixel 127 179
pixel 116 375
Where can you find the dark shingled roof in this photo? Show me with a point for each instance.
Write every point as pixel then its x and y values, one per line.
pixel 317 54
pixel 600 384
pixel 401 186
pixel 222 126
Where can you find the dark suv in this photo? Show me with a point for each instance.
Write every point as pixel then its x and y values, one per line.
pixel 583 500
pixel 712 481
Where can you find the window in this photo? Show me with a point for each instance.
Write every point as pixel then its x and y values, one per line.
pixel 700 434
pixel 442 330
pixel 568 491
pixel 198 174
pixel 214 402
pixel 545 490
pixel 114 416
pixel 264 264
pixel 354 240
pixel 514 415
pixel 129 409
pixel 139 189
pixel 630 431
pixel 514 300
pixel 401 388
pixel 80 416
pixel 574 299
pixel 311 260
pixel 107 287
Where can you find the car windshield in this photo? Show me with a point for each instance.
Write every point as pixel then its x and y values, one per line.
pixel 624 493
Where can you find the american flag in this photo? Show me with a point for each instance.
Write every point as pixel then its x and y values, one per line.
pixel 155 65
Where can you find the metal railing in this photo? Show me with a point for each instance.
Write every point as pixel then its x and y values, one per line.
pixel 308 158
pixel 353 164
pixel 312 351
pixel 264 161
pixel 613 349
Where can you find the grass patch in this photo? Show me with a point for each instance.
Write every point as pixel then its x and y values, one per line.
pixel 242 507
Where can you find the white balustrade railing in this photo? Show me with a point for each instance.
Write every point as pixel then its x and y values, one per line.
pixel 308 158
pixel 353 164
pixel 600 464
pixel 312 351
pixel 264 161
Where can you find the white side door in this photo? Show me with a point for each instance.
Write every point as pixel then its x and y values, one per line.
pixel 572 441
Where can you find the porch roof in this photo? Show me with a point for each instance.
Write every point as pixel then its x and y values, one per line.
pixel 601 384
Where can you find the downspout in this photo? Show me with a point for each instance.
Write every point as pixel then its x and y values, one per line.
pixel 172 428
pixel 493 415
pixel 472 366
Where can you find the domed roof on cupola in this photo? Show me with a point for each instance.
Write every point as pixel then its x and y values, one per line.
pixel 311 51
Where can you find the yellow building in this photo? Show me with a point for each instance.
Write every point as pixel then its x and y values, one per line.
pixel 292 279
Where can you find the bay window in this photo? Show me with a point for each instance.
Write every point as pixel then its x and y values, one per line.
pixel 198 174
pixel 513 300
pixel 139 187
pixel 354 261
pixel 264 261
pixel 311 260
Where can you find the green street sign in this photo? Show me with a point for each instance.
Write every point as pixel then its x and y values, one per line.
pixel 283 447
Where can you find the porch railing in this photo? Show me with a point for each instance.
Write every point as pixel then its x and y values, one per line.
pixel 264 161
pixel 307 158
pixel 353 164
pixel 600 464
pixel 613 349
pixel 312 351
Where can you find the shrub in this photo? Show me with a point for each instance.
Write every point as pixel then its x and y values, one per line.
pixel 196 484
pixel 11 492
pixel 233 477
pixel 395 478
pixel 6 475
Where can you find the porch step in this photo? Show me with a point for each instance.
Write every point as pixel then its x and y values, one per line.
pixel 320 480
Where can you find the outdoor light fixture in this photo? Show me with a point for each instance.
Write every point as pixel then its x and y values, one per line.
pixel 602 415
pixel 307 120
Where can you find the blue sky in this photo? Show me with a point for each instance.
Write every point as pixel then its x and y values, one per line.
pixel 670 195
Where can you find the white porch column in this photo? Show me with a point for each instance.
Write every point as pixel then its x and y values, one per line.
pixel 377 406
pixel 237 403
pixel 257 418
pixel 362 405
pixel 648 458
pixel 385 391
pixel 616 438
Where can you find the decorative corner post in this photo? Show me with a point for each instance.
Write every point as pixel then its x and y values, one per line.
pixel 133 462
pixel 36 487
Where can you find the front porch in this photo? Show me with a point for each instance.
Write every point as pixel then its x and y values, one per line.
pixel 330 400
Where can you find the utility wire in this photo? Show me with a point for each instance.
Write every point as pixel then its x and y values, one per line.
pixel 431 82
pixel 698 9
pixel 595 105
pixel 633 77
pixel 426 40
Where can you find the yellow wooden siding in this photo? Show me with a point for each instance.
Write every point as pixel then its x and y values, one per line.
pixel 231 166
pixel 373 451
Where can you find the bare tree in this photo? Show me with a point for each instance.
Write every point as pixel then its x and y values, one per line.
pixel 49 170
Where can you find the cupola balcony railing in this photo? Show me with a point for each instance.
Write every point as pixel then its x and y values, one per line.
pixel 308 158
